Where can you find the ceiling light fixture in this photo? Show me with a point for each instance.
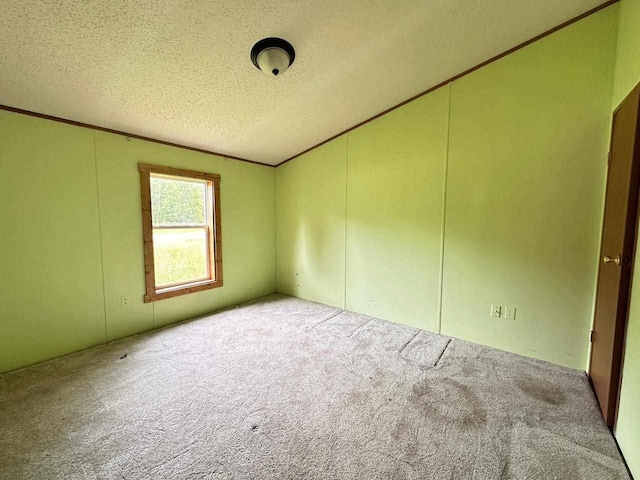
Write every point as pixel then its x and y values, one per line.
pixel 273 55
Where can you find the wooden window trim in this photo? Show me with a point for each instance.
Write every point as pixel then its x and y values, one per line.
pixel 152 293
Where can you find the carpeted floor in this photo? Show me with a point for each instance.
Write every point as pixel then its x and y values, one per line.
pixel 288 389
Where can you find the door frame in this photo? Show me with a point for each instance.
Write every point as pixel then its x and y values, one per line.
pixel 633 226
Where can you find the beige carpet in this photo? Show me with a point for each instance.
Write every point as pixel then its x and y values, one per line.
pixel 288 389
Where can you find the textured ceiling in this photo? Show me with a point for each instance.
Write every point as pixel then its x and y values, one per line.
pixel 180 71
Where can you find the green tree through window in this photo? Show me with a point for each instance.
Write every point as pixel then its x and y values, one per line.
pixel 177 202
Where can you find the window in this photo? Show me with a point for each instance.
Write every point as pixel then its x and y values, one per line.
pixel 181 230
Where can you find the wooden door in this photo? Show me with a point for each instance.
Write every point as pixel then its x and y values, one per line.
pixel 616 255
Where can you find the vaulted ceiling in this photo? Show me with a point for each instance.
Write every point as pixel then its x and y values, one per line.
pixel 180 71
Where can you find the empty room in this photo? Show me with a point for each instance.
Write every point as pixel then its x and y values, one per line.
pixel 351 240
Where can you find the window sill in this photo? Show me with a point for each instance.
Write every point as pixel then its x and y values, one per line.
pixel 171 292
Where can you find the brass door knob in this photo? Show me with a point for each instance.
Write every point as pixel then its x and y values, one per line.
pixel 607 259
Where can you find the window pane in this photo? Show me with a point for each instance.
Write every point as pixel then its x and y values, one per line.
pixel 180 255
pixel 176 202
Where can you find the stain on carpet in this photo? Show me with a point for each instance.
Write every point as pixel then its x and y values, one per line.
pixel 540 389
pixel 447 401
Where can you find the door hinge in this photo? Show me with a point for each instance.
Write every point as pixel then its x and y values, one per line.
pixel 608 158
pixel 591 335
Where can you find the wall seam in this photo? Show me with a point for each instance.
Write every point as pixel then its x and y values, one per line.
pixel 104 294
pixel 346 200
pixel 444 210
pixel 275 219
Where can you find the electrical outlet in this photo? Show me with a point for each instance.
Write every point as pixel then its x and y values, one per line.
pixel 496 311
pixel 509 313
pixel 124 301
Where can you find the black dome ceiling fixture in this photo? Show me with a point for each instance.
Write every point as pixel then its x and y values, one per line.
pixel 273 55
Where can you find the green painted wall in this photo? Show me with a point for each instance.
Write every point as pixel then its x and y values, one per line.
pixel 394 213
pixel 627 76
pixel 627 71
pixel 51 300
pixel 71 238
pixel 531 128
pixel 311 224
pixel 528 142
pixel 248 233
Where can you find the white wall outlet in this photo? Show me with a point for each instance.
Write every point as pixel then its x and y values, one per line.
pixel 124 301
pixel 509 313
pixel 496 311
